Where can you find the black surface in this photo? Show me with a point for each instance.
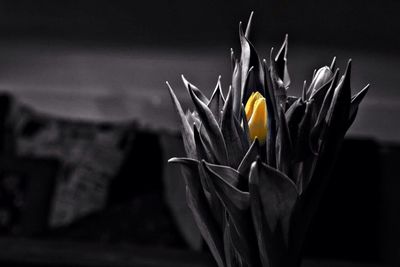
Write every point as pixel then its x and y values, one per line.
pixel 347 223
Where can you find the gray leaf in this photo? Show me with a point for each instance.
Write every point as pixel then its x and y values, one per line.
pixel 236 203
pixel 186 128
pixel 201 212
pixel 212 129
pixel 249 158
pixel 278 195
pixel 283 146
pixel 217 101
pixel 232 137
pixel 281 63
pixel 195 90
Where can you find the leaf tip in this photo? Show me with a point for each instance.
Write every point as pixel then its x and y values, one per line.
pixel 173 160
pixel 333 63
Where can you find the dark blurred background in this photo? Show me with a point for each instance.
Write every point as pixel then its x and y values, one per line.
pixel 343 24
pixel 87 125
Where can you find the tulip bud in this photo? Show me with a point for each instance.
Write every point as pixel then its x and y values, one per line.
pixel 322 76
pixel 256 114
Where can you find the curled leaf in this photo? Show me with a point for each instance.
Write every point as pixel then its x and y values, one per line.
pixel 201 212
pixel 237 204
pixel 226 173
pixel 278 195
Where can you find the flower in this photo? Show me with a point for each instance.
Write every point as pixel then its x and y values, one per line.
pixel 254 175
pixel 256 115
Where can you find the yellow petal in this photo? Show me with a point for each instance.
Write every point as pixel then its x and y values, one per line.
pixel 249 106
pixel 250 103
pixel 258 121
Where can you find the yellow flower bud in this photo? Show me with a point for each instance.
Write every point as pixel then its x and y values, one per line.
pixel 256 114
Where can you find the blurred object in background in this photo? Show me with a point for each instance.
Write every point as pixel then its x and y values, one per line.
pixel 26 189
pixel 90 155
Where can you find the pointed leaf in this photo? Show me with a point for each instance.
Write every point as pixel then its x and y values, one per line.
pixel 304 91
pixel 271 242
pixel 244 56
pixel 277 83
pixel 214 135
pixel 228 174
pixel 243 134
pixel 248 28
pixel 252 84
pixel 272 116
pixel 260 225
pixel 281 63
pixel 232 137
pixel 270 93
pixel 327 99
pixel 217 101
pixel 186 128
pixel 213 201
pixel 249 158
pixel 245 125
pixel 229 193
pixel 215 204
pixel 283 146
pixel 278 195
pixel 237 88
pixel 237 204
pixel 320 124
pixel 201 212
pixel 249 58
pixel 339 110
pixel 356 100
pixel 204 151
pixel 333 64
pixel 233 60
pixel 195 90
